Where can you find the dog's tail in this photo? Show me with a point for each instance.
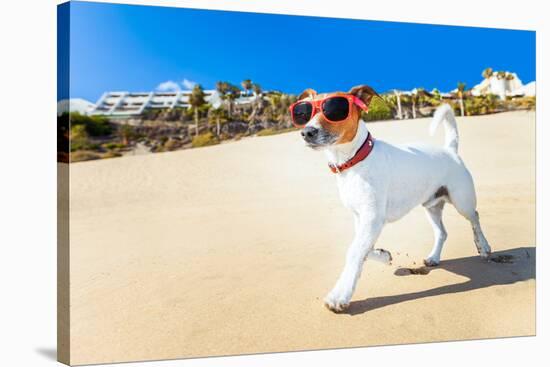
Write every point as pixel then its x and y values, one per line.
pixel 445 113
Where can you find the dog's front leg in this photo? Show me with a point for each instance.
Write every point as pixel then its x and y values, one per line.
pixel 368 228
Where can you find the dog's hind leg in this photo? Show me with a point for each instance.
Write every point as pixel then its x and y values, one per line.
pixel 463 198
pixel 435 214
pixel 482 245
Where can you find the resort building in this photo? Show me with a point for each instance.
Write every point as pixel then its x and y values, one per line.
pixel 504 84
pixel 128 104
pixel 124 104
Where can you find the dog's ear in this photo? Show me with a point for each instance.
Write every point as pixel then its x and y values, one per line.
pixel 364 93
pixel 307 93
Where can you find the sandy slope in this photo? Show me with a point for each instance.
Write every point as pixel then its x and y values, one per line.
pixel 230 249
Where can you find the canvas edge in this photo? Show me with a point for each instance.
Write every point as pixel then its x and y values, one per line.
pixel 63 239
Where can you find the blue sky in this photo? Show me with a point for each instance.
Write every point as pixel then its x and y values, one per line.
pixel 137 48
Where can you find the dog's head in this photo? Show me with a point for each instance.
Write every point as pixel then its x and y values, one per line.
pixel 319 132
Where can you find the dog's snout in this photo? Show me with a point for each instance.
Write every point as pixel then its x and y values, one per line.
pixel 309 132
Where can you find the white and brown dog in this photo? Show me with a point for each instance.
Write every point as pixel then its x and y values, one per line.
pixel 381 182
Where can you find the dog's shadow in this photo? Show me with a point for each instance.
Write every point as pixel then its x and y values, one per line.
pixel 505 267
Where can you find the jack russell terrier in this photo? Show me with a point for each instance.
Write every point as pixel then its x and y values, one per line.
pixel 380 182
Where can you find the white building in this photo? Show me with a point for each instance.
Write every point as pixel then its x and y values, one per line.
pixel 527 90
pixel 503 85
pixel 134 103
pixel 127 103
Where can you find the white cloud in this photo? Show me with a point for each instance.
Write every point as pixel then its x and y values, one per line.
pixel 188 84
pixel 168 86
pixel 171 86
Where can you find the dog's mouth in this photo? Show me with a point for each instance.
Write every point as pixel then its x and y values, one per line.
pixel 321 140
pixel 314 146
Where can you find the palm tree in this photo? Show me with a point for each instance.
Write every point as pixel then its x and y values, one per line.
pixel 196 100
pixel 399 110
pixel 232 93
pixel 257 89
pixel 277 104
pixel 414 99
pixel 460 92
pixel 221 88
pixel 126 132
pixel 487 73
pixel 228 93
pixel 437 94
pixel 247 85
pixel 285 101
pixel 217 115
pixel 274 104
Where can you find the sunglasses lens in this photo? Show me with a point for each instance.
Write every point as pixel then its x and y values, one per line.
pixel 336 109
pixel 302 113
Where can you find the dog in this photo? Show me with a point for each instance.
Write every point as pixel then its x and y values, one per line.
pixel 381 182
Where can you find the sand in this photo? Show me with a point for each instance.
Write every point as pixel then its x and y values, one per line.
pixel 230 249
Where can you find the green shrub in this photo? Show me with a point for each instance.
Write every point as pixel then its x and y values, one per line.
pixel 271 131
pixel 87 155
pixel 111 155
pixel 78 137
pixel 378 110
pixel 524 103
pixel 95 125
pixel 126 133
pixel 113 145
pixel 171 144
pixel 480 105
pixel 84 155
pixel 204 140
pixel 267 132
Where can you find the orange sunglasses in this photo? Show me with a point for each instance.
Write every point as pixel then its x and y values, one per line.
pixel 334 109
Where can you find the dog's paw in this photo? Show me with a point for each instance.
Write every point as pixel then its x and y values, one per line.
pixel 336 304
pixel 483 249
pixel 485 255
pixel 431 261
pixel 380 255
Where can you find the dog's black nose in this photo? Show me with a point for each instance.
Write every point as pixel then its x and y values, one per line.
pixel 309 132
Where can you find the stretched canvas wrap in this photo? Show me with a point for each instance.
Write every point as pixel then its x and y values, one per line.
pixel 195 219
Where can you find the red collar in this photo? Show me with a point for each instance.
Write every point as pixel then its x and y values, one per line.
pixel 361 154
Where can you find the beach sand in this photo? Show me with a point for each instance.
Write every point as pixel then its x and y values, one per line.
pixel 230 249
